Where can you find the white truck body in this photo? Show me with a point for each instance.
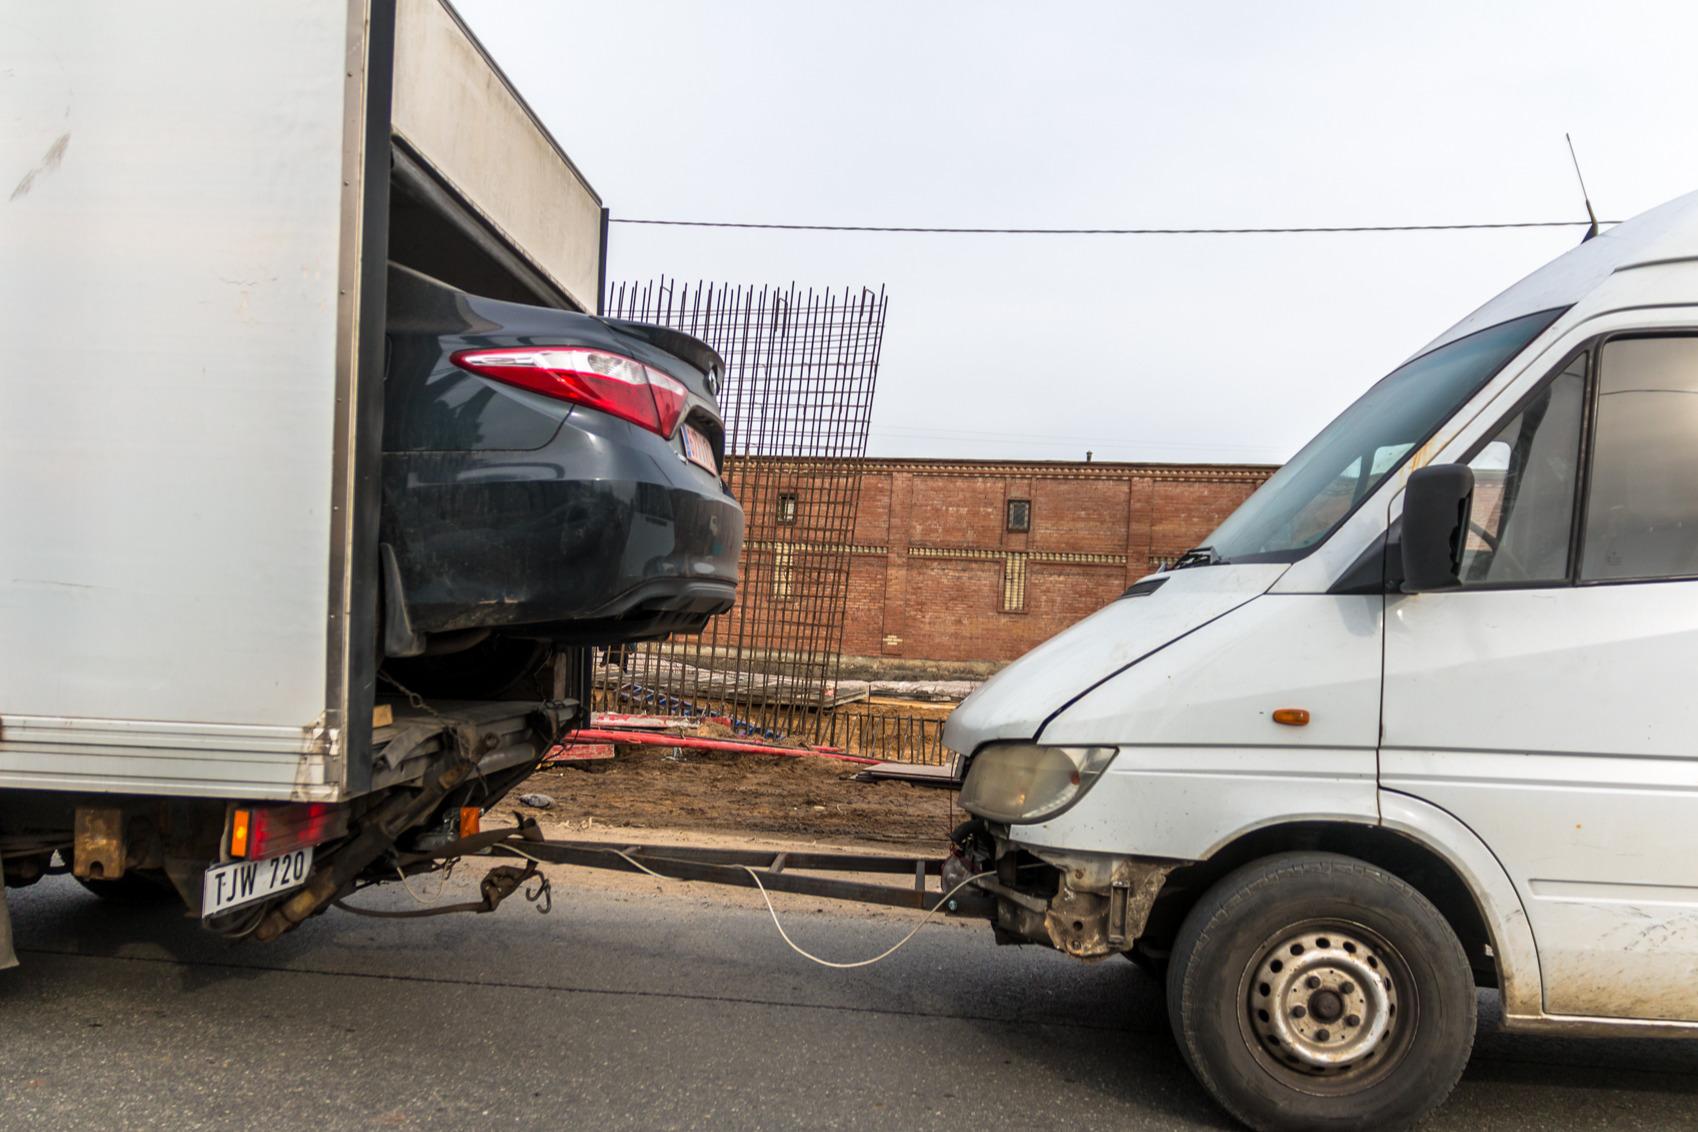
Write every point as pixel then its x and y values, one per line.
pixel 1537 737
pixel 199 207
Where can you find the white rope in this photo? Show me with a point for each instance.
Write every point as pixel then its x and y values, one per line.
pixel 509 847
pixel 441 887
pixel 941 905
pixel 634 863
pixel 943 901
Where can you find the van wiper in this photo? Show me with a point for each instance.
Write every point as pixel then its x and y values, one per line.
pixel 1198 556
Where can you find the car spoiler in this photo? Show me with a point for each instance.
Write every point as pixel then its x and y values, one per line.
pixel 676 342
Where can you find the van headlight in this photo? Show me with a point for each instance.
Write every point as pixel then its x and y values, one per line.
pixel 1023 782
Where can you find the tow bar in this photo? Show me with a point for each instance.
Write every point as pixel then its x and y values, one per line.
pixel 768 872
pixel 777 872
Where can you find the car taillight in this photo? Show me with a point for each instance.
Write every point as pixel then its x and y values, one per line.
pixel 258 832
pixel 596 379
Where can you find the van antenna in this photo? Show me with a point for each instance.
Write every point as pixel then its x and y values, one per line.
pixel 1593 230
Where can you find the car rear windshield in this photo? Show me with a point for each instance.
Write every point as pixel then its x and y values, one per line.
pixel 1307 499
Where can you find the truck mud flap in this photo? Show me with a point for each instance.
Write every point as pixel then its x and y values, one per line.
pixel 8 957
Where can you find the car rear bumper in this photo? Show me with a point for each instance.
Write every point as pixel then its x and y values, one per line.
pixel 604 534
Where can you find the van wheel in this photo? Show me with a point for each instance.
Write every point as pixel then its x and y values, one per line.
pixel 1313 991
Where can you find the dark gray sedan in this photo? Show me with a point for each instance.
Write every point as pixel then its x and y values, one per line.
pixel 548 477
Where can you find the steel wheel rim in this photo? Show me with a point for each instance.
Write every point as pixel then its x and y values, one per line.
pixel 1327 1006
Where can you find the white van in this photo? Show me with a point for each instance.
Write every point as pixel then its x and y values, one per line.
pixel 1421 717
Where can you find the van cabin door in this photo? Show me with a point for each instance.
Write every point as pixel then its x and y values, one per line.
pixel 1551 702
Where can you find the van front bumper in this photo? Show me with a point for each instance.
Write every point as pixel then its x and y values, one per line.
pixel 1089 905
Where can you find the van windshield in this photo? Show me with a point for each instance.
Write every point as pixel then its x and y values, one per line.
pixel 1307 499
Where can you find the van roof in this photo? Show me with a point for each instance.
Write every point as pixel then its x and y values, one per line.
pixel 1665 234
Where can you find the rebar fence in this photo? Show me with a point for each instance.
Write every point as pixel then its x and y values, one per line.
pixel 879 732
pixel 801 367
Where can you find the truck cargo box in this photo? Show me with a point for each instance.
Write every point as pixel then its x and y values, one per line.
pixel 200 203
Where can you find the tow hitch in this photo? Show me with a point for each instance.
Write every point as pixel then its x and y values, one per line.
pixel 763 869
pixel 775 872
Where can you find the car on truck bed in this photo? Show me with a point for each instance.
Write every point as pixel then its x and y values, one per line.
pixel 548 477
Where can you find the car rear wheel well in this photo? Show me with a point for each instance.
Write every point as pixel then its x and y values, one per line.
pixel 1408 860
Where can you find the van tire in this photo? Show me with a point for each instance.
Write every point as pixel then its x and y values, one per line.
pixel 1335 946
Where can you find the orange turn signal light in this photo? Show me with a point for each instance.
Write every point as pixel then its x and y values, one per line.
pixel 470 820
pixel 239 822
pixel 1291 716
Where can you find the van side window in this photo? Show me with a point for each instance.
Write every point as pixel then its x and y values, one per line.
pixel 1642 505
pixel 1524 478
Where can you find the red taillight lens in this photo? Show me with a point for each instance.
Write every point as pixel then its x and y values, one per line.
pixel 669 396
pixel 595 379
pixel 257 832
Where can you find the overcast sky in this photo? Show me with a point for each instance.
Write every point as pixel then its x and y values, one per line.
pixel 1234 348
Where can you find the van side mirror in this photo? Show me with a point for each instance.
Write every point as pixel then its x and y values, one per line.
pixel 1435 526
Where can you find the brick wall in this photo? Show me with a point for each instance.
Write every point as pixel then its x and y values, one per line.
pixel 934 573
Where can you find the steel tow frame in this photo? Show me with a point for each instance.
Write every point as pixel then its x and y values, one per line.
pixel 777 871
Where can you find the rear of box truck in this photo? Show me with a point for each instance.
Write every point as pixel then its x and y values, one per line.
pixel 195 204
pixel 181 310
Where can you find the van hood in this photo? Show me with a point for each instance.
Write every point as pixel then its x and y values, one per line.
pixel 1017 702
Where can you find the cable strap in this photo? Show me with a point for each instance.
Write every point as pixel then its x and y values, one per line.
pixel 497 885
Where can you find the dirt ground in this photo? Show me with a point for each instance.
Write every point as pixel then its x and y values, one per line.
pixel 807 799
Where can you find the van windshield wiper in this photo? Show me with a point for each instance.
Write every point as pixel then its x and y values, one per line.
pixel 1198 556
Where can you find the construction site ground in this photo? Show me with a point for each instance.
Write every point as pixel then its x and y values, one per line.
pixel 790 800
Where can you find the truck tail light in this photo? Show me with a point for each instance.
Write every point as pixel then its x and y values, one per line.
pixel 595 379
pixel 258 832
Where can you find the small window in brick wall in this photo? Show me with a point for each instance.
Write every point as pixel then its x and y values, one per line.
pixel 786 507
pixel 1019 516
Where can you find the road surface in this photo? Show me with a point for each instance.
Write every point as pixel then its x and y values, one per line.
pixel 632 1007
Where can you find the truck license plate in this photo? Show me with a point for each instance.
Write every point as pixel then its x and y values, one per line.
pixel 243 882
pixel 699 448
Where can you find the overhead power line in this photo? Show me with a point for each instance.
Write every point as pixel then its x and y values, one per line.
pixel 908 229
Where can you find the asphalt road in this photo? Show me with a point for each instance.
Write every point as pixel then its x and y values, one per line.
pixel 627 1009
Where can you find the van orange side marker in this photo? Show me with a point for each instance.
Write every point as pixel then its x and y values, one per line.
pixel 1291 716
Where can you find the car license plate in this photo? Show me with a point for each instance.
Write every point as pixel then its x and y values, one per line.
pixel 243 882
pixel 699 448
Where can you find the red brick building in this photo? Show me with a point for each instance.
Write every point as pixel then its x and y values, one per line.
pixel 960 560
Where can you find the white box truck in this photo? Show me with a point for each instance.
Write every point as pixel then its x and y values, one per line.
pixel 1419 718
pixel 200 205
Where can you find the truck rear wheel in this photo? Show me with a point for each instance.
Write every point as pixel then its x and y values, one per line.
pixel 1314 991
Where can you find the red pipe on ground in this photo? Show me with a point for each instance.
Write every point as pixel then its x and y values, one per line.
pixel 655 739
